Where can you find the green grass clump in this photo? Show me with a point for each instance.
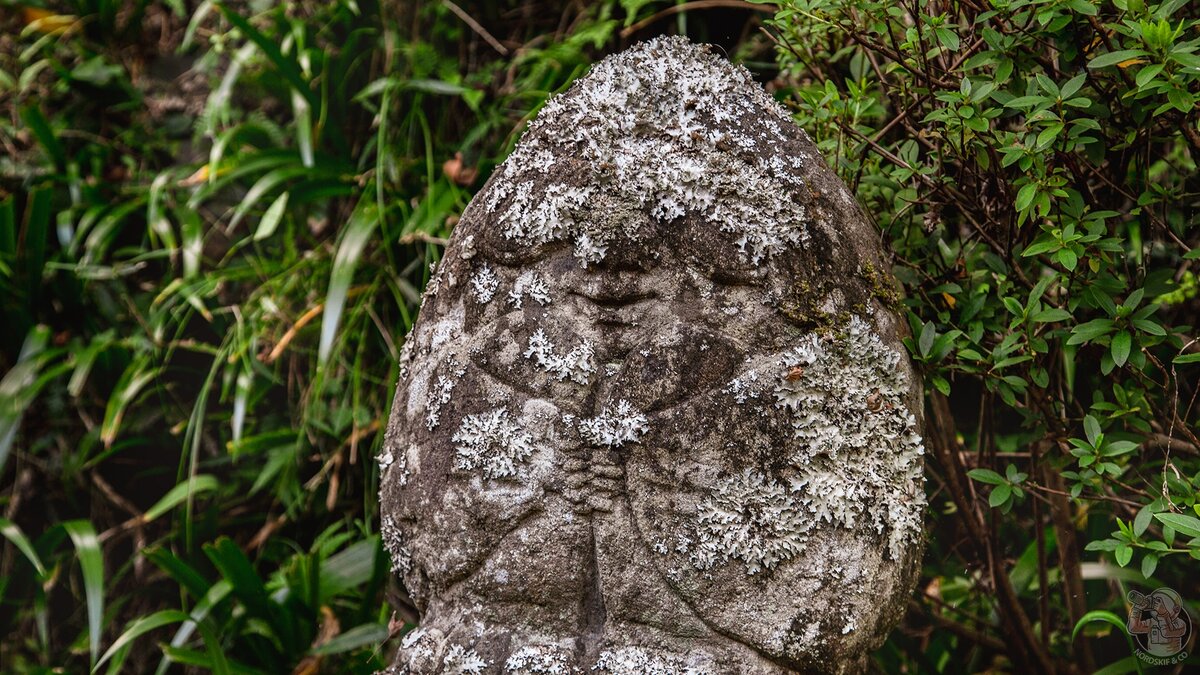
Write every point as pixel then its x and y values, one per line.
pixel 216 220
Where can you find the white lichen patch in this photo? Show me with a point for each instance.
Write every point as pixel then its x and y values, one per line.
pixel 439 394
pixel 539 660
pixel 418 643
pixel 669 129
pixel 743 388
pixel 390 463
pixel 492 442
pixel 857 452
pixel 385 459
pixel 393 541
pixel 466 248
pixel 484 284
pixel 638 661
pixel 752 519
pixel 615 427
pixel 578 364
pixel 529 284
pixel 462 661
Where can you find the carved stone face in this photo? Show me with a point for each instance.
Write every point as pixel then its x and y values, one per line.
pixel 655 416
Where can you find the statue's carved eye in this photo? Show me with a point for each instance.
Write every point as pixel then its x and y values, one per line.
pixel 497 247
pixel 716 254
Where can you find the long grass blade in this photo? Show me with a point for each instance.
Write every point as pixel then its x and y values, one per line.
pixel 366 634
pixel 91 562
pixel 215 595
pixel 137 375
pixel 139 627
pixel 271 219
pixel 287 67
pixel 16 393
pixel 354 239
pixel 13 533
pixel 179 493
pixel 37 123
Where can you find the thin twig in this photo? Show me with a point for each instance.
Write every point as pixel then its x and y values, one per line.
pixel 479 30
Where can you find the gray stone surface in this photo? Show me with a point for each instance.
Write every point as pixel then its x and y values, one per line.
pixel 655 416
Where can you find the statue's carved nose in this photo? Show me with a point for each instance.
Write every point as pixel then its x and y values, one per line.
pixel 626 254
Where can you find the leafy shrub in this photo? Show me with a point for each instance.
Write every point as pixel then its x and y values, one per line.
pixel 1033 165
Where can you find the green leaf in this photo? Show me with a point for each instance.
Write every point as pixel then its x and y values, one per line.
pixel 1188 525
pixel 1186 358
pixel 1099 615
pixel 1047 135
pixel 354 239
pixel 925 343
pixel 1071 86
pixel 1013 306
pixel 1024 199
pixel 33 118
pixel 208 601
pixel 359 636
pixel 1052 314
pixel 262 186
pixel 177 569
pixel 13 533
pixel 179 493
pixel 1149 327
pixel 1068 258
pixel 948 38
pixel 17 390
pixel 272 217
pixel 235 567
pixel 1121 344
pixel 941 384
pixel 1113 58
pixel 1149 564
pixel 91 562
pixel 1086 332
pixel 1147 73
pixel 137 375
pixel 136 629
pixel 986 476
pixel 1091 427
pixel 1117 448
pixel 1124 554
pixel 1000 495
pixel 350 568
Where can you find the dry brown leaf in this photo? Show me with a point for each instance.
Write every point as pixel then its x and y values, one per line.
pixel 456 172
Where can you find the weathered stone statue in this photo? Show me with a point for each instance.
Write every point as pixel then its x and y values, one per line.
pixel 655 417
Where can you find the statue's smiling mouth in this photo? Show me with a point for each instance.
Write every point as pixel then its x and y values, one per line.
pixel 613 305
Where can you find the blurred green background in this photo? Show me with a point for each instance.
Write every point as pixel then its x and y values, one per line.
pixel 216 221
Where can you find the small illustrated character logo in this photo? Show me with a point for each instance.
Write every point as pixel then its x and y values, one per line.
pixel 1161 625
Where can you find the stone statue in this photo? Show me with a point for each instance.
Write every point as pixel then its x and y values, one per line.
pixel 655 417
